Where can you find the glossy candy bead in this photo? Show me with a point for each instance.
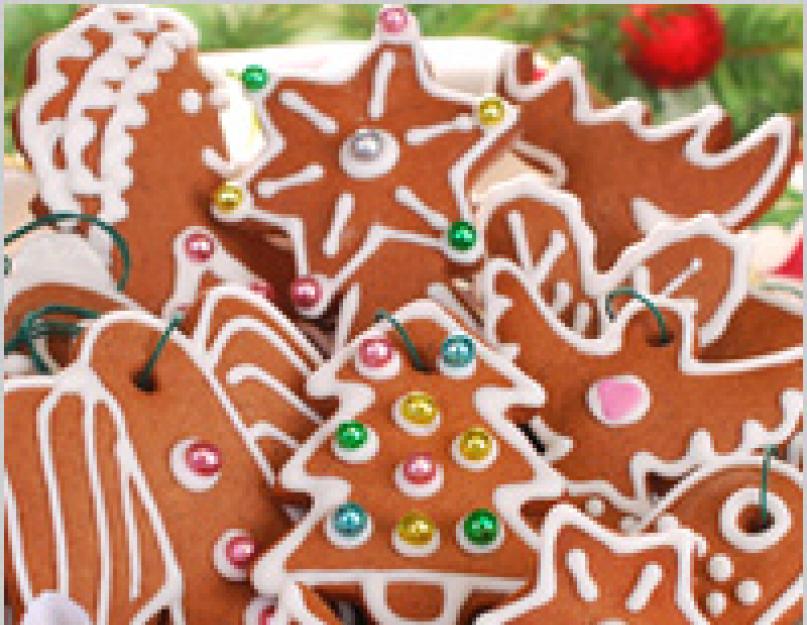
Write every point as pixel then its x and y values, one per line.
pixel 240 551
pixel 351 435
pixel 228 197
pixel 491 110
pixel 419 408
pixel 366 145
pixel 254 77
pixel 419 468
pixel 481 527
pixel 416 529
pixel 393 20
pixel 203 458
pixel 349 520
pixel 476 444
pixel 199 247
pixel 458 351
pixel 376 352
pixel 461 236
pixel 306 292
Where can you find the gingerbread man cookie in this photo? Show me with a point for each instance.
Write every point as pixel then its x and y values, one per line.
pixel 629 174
pixel 638 390
pixel 136 503
pixel 120 121
pixel 417 480
pixel 752 572
pixel 544 231
pixel 362 171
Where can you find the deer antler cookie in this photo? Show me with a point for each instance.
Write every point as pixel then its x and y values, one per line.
pixel 629 174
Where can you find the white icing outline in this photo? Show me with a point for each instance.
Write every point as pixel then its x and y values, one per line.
pixel 474 465
pixel 363 454
pixel 191 101
pixel 270 574
pixel 413 428
pixel 220 562
pixel 477 550
pixel 747 542
pixel 415 551
pixel 635 415
pixel 596 284
pixel 345 542
pixel 183 474
pixel 595 507
pixel 698 126
pixel 419 491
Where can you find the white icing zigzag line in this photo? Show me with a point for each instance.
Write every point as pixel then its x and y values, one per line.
pixel 682 541
pixel 270 574
pixel 700 124
pixel 597 284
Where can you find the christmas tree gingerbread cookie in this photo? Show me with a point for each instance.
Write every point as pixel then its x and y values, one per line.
pixel 119 120
pixel 362 171
pixel 138 497
pixel 752 571
pixel 418 479
pixel 545 232
pixel 639 390
pixel 629 174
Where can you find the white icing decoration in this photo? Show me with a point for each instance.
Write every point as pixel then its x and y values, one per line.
pixel 373 168
pixel 363 454
pixel 582 317
pixel 667 522
pixel 341 214
pixel 562 297
pixel 348 309
pixel 51 607
pixel 795 449
pixel 441 294
pixel 191 101
pixel 268 188
pixel 255 608
pixel 720 567
pixel 347 542
pixel 270 575
pixel 638 411
pixel 183 473
pixel 419 491
pixel 595 507
pixel 419 136
pixel 749 542
pixel 381 76
pixel 297 103
pixel 474 465
pixel 715 603
pixel 558 173
pixel 649 579
pixel 628 524
pixel 577 564
pixel 697 126
pixel 473 549
pixel 407 198
pixel 414 429
pixel 220 562
pixel 748 591
pixel 415 551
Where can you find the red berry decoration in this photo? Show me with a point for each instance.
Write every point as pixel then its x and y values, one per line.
pixel 672 46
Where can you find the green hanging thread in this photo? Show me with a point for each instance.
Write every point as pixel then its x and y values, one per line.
pixel 664 336
pixel 763 491
pixel 34 326
pixel 417 361
pixel 53 218
pixel 144 379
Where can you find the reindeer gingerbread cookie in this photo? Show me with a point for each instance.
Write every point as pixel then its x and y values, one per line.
pixel 628 174
pixel 136 499
pixel 120 121
pixel 362 171
pixel 417 480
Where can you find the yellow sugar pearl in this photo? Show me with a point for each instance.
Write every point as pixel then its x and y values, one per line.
pixel 419 408
pixel 415 528
pixel 228 197
pixel 491 110
pixel 476 444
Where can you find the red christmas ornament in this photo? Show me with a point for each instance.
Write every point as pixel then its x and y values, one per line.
pixel 672 45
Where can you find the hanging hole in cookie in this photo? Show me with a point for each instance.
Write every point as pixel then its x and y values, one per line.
pixel 660 340
pixel 752 522
pixel 145 383
pixel 532 437
pixel 659 485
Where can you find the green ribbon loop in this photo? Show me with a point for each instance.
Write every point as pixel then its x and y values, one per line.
pixel 414 356
pixel 664 336
pixel 145 379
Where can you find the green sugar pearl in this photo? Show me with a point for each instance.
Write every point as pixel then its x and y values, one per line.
pixel 461 236
pixel 351 435
pixel 254 77
pixel 481 527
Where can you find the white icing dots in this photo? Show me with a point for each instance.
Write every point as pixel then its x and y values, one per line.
pixel 740 537
pixel 715 603
pixel 577 564
pixel 748 591
pixel 595 507
pixel 720 567
pixel 667 523
pixel 191 101
pixel 628 524
pixel 619 400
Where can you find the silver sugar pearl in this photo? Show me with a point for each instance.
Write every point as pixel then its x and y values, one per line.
pixel 366 145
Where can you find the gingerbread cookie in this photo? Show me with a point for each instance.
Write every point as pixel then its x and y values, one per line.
pixel 629 174
pixel 544 231
pixel 751 571
pixel 362 171
pixel 417 480
pixel 136 504
pixel 120 121
pixel 588 574
pixel 638 390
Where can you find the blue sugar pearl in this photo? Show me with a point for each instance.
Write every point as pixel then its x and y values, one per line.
pixel 458 350
pixel 349 520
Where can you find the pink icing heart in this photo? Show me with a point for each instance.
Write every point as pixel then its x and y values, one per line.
pixel 618 398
